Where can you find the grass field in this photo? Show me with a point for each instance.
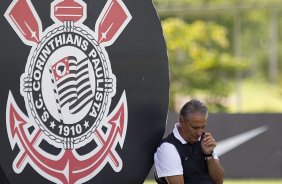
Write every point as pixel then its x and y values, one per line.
pixel 257 97
pixel 253 97
pixel 240 181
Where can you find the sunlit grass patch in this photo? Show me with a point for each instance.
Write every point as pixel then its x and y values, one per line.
pixel 257 97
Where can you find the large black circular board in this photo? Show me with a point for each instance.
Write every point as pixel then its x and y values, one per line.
pixel 84 90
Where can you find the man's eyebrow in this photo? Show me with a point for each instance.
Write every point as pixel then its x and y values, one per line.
pixel 199 126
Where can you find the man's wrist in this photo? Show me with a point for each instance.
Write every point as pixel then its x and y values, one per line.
pixel 209 154
pixel 208 158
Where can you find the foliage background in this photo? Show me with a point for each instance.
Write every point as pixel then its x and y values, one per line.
pixel 226 53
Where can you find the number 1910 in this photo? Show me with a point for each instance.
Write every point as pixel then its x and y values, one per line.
pixel 70 130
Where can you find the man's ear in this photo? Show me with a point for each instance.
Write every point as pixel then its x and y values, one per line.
pixel 181 120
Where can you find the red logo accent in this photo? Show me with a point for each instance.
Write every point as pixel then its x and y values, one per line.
pixel 112 20
pixel 69 168
pixel 25 20
pixel 68 10
pixel 61 68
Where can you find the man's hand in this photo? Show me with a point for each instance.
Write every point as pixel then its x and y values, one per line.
pixel 208 143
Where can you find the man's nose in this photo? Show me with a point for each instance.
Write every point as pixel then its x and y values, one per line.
pixel 201 132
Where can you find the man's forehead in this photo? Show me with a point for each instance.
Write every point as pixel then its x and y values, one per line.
pixel 198 116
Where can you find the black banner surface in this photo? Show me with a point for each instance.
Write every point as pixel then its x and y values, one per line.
pixel 84 90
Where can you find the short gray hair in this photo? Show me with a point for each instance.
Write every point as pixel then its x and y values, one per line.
pixel 192 107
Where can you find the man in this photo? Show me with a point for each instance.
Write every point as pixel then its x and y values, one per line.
pixel 187 156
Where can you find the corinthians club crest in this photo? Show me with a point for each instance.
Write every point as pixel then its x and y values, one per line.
pixel 67 86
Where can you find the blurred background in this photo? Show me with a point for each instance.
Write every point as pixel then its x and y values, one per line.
pixel 224 52
pixel 227 53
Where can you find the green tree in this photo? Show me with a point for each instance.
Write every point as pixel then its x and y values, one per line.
pixel 199 61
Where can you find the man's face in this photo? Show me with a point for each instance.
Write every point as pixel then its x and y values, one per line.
pixel 193 128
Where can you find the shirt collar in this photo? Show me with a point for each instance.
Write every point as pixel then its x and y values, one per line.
pixel 177 134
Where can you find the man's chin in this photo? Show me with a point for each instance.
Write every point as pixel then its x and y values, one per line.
pixel 193 140
pixel 196 139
